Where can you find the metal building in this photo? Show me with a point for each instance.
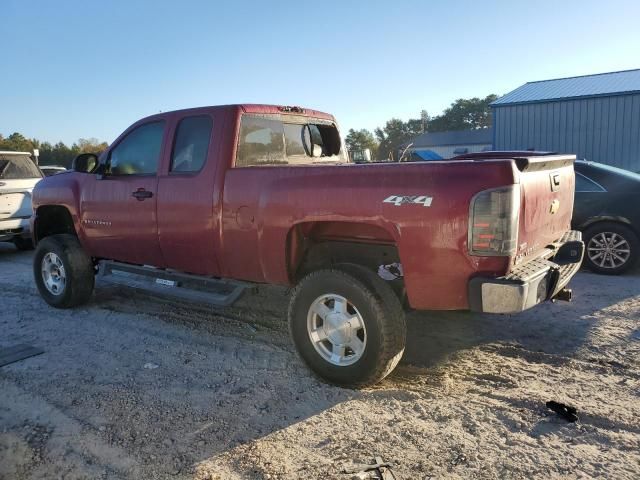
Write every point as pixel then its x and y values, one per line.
pixel 444 145
pixel 597 117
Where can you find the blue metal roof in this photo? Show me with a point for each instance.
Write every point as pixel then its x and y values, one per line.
pixel 614 83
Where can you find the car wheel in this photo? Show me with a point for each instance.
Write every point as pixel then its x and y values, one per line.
pixel 611 248
pixel 63 272
pixel 23 243
pixel 347 325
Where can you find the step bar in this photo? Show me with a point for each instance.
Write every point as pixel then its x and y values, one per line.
pixel 182 286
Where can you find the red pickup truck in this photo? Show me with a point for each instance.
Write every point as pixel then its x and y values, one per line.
pixel 207 201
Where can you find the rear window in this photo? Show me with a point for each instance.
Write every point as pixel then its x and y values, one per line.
pixel 15 167
pixel 615 170
pixel 267 141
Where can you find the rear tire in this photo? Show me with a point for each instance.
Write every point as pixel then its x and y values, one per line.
pixel 618 239
pixel 63 272
pixel 340 352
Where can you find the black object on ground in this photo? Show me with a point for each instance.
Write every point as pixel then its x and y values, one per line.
pixel 16 353
pixel 564 411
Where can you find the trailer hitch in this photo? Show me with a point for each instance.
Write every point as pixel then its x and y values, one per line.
pixel 564 295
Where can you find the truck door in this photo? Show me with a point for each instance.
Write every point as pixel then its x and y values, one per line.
pixel 118 208
pixel 187 217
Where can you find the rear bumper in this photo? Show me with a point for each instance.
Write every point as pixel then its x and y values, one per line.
pixel 14 227
pixel 530 283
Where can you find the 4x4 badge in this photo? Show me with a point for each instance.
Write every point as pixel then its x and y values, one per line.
pixel 398 200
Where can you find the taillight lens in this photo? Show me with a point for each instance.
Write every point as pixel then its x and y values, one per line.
pixel 493 221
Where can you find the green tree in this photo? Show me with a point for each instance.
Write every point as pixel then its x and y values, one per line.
pixel 18 143
pixel 358 140
pixel 58 154
pixel 464 114
pixel 395 133
pixel 91 145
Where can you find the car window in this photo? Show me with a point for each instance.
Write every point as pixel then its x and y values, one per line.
pixel 15 167
pixel 584 184
pixel 139 152
pixel 261 142
pixel 615 170
pixel 267 141
pixel 191 144
pixel 293 137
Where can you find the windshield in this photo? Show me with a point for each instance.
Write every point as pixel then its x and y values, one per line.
pixel 17 166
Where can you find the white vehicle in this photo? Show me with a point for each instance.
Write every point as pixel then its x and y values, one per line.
pixel 49 170
pixel 18 176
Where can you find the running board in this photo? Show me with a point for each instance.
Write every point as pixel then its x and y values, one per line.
pixel 213 291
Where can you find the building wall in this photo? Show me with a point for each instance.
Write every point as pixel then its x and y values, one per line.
pixel 603 129
pixel 446 151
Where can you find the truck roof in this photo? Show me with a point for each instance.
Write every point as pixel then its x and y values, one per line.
pixel 254 108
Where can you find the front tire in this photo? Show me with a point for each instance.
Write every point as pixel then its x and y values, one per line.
pixel 63 272
pixel 347 325
pixel 611 248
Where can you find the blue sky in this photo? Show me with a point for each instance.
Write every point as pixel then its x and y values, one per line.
pixel 73 69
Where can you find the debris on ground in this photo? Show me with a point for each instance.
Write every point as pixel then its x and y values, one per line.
pixel 564 411
pixel 380 470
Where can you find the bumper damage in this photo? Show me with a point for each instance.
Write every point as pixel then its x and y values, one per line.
pixel 531 283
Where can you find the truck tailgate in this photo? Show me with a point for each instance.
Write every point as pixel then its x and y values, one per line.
pixel 547 185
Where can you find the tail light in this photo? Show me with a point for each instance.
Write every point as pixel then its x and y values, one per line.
pixel 493 222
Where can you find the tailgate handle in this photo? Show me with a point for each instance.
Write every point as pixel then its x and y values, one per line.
pixel 555 181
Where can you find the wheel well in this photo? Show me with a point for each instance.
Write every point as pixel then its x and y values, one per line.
pixel 318 245
pixel 52 220
pixel 608 219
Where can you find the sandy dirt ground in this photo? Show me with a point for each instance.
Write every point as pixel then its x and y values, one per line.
pixel 136 387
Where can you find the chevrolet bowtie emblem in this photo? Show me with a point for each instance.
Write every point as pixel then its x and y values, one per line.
pixel 555 206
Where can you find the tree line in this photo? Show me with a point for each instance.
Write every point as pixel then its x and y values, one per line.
pixel 58 154
pixel 463 114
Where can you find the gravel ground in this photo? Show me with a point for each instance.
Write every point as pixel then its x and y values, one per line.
pixel 132 386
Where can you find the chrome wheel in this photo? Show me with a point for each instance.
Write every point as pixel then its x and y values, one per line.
pixel 53 274
pixel 336 330
pixel 608 250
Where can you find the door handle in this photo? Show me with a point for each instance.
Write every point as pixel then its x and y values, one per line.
pixel 141 194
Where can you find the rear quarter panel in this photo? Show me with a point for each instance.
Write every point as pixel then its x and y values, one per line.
pixel 263 204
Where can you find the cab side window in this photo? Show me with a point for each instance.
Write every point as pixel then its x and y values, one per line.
pixel 139 152
pixel 191 144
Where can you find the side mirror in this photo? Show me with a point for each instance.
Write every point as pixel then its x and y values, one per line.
pixel 311 139
pixel 316 151
pixel 85 163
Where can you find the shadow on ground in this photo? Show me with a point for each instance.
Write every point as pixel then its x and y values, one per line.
pixel 552 328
